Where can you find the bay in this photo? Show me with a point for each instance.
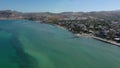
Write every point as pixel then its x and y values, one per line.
pixel 28 44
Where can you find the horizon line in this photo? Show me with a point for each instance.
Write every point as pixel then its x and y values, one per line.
pixel 59 12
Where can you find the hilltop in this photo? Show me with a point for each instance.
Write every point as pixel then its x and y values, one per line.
pixel 107 15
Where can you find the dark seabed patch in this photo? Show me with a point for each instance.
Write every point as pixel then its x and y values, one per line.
pixel 23 59
pixel 12 50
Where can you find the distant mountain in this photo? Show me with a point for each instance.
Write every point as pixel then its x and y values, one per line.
pixel 108 15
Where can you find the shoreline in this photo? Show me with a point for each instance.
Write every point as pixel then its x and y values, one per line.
pixel 85 35
pixel 92 36
pixel 98 38
pixel 107 41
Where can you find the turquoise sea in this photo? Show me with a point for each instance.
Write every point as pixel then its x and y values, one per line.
pixel 28 44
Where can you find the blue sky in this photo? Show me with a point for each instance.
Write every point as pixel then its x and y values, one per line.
pixel 59 5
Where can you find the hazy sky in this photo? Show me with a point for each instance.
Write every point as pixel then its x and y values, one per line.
pixel 59 5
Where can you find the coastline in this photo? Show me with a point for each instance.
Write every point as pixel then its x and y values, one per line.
pixel 83 34
pixel 92 36
pixel 107 41
pixel 98 38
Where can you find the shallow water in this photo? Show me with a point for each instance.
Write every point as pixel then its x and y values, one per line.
pixel 27 44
